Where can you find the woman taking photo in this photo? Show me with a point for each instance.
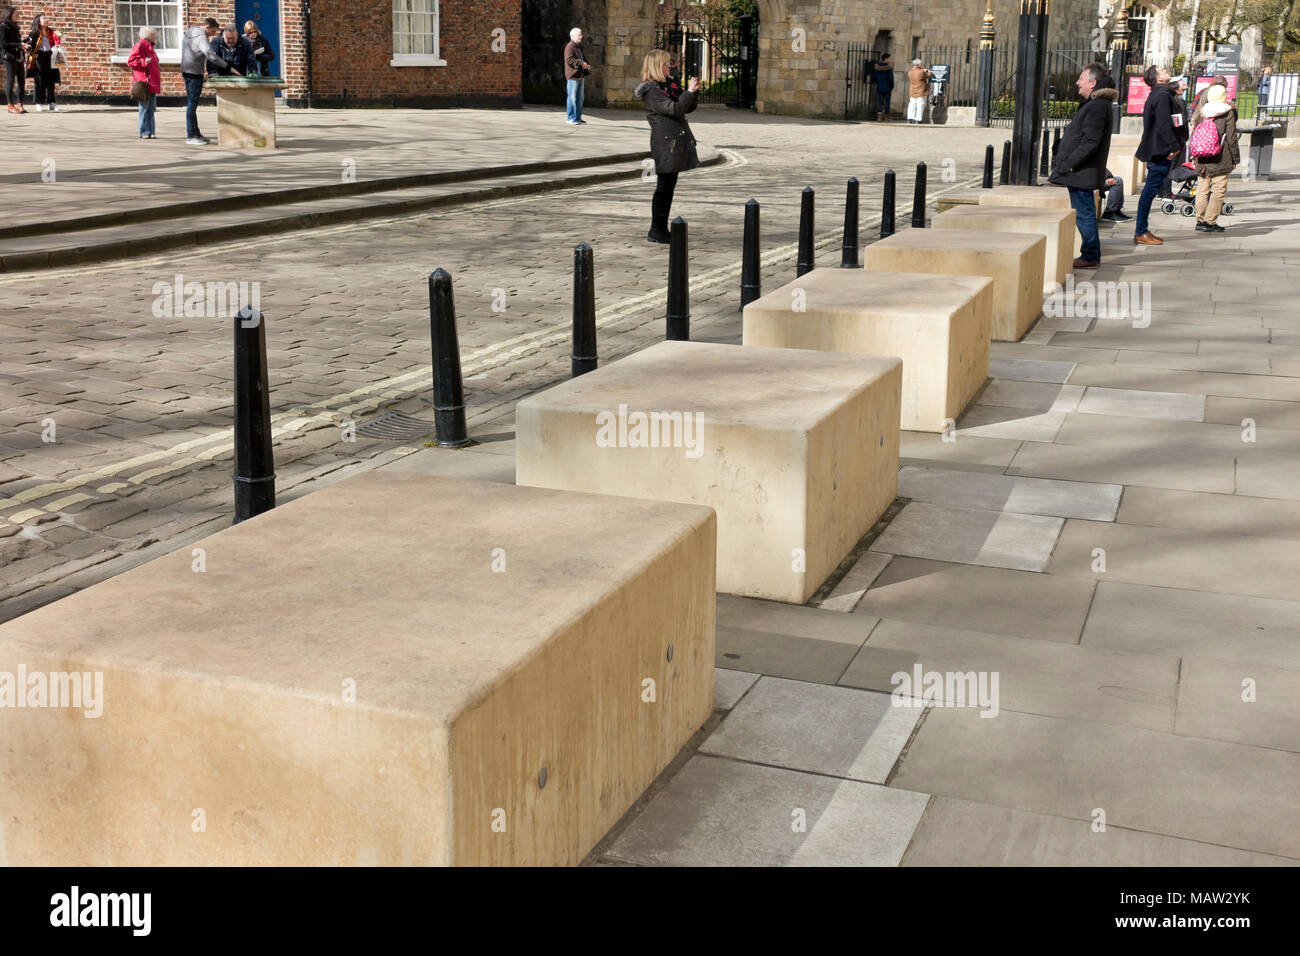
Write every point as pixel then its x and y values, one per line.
pixel 143 62
pixel 671 142
pixel 42 41
pixel 14 49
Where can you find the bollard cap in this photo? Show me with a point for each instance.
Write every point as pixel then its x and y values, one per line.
pixel 751 202
pixel 582 247
pixel 249 317
pixel 807 189
pixel 677 220
pixel 440 276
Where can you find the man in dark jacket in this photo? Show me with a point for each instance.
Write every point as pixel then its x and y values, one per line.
pixel 233 53
pixel 883 77
pixel 1081 159
pixel 576 69
pixel 1162 124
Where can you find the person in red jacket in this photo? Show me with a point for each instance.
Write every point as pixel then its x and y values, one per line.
pixel 143 62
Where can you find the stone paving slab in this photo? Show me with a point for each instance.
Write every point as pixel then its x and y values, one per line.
pixel 846 595
pixel 1037 677
pixel 730 686
pixel 997 539
pixel 1180 623
pixel 782 640
pixel 1222 514
pixel 719 812
pixel 836 731
pixel 1129 463
pixel 1142 404
pixel 1010 424
pixel 1241 703
pixel 1029 496
pixel 994 600
pixel 1043 396
pixel 1030 370
pixel 1186 787
pixel 1276 388
pixel 961 833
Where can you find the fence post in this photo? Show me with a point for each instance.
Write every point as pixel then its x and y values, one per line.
pixel 751 281
pixel 918 198
pixel 679 289
pixel 1044 160
pixel 984 93
pixel 849 247
pixel 988 167
pixel 887 210
pixel 448 389
pixel 805 261
pixel 584 311
pixel 254 458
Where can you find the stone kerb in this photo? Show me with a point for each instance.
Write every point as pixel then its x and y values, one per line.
pixel 395 670
pixel 939 325
pixel 1057 225
pixel 797 451
pixel 1013 261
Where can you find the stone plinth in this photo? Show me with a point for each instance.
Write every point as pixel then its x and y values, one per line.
pixel 962 197
pixel 1122 161
pixel 938 325
pixel 382 672
pixel 245 110
pixel 797 451
pixel 1039 197
pixel 1057 225
pixel 1013 261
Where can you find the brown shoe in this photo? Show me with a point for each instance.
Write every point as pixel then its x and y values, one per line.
pixel 1082 263
pixel 1148 239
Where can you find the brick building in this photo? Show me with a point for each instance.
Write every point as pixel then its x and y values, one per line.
pixel 381 52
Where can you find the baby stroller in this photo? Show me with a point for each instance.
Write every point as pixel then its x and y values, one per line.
pixel 1184 201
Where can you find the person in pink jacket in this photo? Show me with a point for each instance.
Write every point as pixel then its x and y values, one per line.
pixel 143 62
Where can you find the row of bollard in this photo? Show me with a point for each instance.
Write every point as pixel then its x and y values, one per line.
pixel 254 472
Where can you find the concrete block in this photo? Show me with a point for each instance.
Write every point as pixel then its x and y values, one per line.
pixel 938 325
pixel 1122 161
pixel 1013 261
pixel 1039 197
pixel 1056 224
pixel 797 451
pixel 358 677
pixel 245 111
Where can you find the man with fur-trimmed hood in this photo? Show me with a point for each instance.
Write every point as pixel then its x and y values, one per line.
pixel 1081 160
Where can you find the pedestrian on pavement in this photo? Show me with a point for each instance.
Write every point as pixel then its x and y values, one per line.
pixel 671 141
pixel 42 39
pixel 1213 124
pixel 196 54
pixel 918 88
pixel 1159 147
pixel 263 53
pixel 144 65
pixel 1114 189
pixel 1081 159
pixel 15 51
pixel 234 55
pixel 576 69
pixel 883 77
pixel 1265 84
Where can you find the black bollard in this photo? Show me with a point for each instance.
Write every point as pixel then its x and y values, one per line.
pixel 254 458
pixel 887 209
pixel 988 167
pixel 1044 161
pixel 1005 176
pixel 918 198
pixel 584 311
pixel 751 279
pixel 1056 143
pixel 805 261
pixel 448 391
pixel 849 248
pixel 679 289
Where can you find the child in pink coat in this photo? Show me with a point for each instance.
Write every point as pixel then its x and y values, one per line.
pixel 143 62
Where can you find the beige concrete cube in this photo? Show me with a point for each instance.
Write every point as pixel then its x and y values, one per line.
pixel 1122 161
pixel 797 451
pixel 245 111
pixel 1014 261
pixel 1057 225
pixel 938 325
pixel 1040 197
pixel 397 669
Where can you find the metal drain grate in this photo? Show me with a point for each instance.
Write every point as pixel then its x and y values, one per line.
pixel 396 426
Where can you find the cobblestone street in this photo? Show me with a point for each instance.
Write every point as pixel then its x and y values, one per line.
pixel 139 407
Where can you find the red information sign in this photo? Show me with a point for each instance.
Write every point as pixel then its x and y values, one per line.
pixel 1137 94
pixel 1231 78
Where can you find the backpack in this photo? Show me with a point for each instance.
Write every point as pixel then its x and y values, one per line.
pixel 1205 140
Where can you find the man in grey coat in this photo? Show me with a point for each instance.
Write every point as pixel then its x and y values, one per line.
pixel 196 54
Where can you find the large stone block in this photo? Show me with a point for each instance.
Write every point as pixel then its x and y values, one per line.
pixel 1057 225
pixel 471 670
pixel 245 111
pixel 797 451
pixel 938 325
pixel 1014 261
pixel 1122 161
pixel 1039 197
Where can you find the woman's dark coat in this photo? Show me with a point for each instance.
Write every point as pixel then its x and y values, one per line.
pixel 671 141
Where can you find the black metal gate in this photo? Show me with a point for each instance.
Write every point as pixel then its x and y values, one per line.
pixel 860 101
pixel 724 58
